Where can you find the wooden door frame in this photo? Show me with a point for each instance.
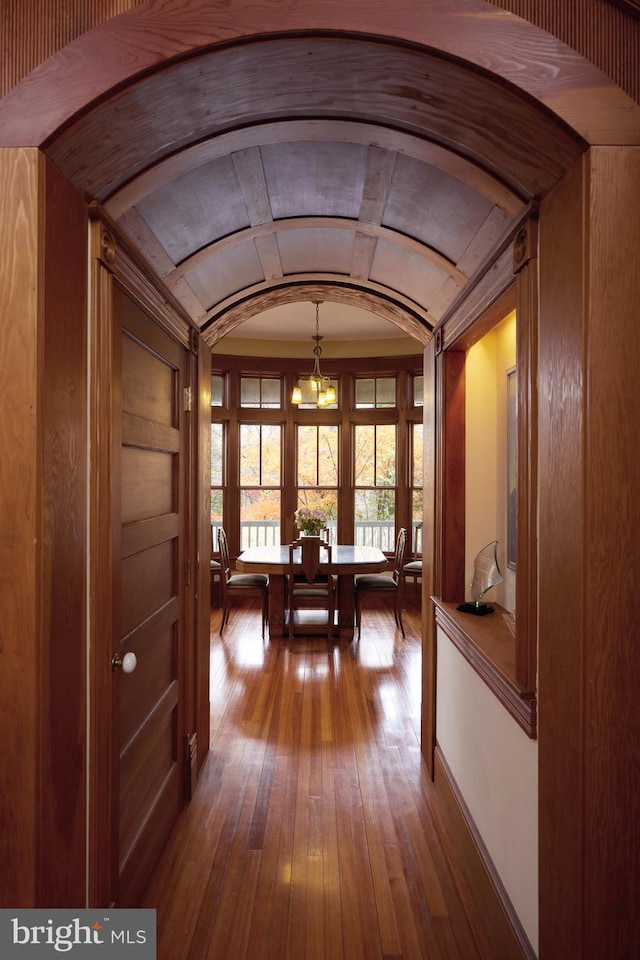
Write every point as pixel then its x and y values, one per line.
pixel 112 261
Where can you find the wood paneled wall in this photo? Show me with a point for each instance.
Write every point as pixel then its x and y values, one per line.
pixel 589 557
pixel 20 173
pixel 598 29
pixel 43 544
pixel 63 545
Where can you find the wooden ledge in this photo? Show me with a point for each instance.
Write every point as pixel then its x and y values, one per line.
pixel 489 646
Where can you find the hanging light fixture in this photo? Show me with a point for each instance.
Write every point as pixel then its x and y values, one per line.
pixel 321 386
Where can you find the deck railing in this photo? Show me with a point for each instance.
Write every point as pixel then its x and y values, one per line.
pixel 265 533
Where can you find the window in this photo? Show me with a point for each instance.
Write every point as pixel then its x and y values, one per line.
pixel 217 385
pixel 416 478
pixel 375 484
pixel 317 470
pixel 260 484
pixel 217 477
pixel 375 392
pixel 270 456
pixel 417 398
pixel 262 392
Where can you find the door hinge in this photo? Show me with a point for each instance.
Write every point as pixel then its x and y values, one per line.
pixel 187 573
pixel 187 399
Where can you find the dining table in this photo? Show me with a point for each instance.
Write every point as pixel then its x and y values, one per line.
pixel 346 561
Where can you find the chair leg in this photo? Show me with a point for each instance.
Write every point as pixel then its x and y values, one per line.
pixel 225 617
pixel 330 623
pixel 397 609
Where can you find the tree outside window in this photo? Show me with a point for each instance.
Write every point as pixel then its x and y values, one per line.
pixel 260 484
pixel 317 470
pixel 375 484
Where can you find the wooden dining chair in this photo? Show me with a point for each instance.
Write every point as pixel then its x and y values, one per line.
pixel 239 584
pixel 216 571
pixel 308 589
pixel 413 569
pixel 383 585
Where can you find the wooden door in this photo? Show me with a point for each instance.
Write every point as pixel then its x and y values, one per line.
pixel 148 702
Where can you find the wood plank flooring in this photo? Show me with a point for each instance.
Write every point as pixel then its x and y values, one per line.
pixel 313 833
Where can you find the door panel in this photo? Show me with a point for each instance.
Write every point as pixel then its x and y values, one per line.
pixel 146 484
pixel 147 388
pixel 150 720
pixel 148 583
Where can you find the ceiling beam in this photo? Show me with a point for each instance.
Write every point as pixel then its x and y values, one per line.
pixel 409 317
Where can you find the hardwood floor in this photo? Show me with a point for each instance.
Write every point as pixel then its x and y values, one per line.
pixel 313 831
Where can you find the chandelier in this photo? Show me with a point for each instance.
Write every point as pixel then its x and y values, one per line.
pixel 321 386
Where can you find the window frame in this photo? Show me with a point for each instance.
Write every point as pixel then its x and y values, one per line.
pixel 344 415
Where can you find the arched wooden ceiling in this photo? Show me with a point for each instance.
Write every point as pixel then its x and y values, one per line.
pixel 330 165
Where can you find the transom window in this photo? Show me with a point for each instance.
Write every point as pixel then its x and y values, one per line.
pixel 262 392
pixel 418 390
pixel 375 392
pixel 217 385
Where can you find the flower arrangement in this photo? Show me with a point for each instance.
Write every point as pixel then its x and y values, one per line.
pixel 310 522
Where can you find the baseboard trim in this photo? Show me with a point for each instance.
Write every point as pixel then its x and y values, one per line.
pixel 472 858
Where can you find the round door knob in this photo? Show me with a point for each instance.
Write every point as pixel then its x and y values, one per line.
pixel 127 664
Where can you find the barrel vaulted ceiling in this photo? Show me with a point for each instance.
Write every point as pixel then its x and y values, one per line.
pixel 328 166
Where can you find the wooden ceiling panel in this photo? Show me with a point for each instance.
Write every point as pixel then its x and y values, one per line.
pixel 370 134
pixel 314 179
pixel 225 274
pixel 310 251
pixel 401 270
pixel 196 208
pixel 434 207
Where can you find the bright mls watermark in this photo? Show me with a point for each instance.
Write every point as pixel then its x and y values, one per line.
pixel 79 934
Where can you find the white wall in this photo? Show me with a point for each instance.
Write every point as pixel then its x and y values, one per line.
pixel 495 765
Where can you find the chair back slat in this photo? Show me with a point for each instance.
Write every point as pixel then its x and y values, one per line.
pixel 310 552
pixel 223 547
pixel 401 549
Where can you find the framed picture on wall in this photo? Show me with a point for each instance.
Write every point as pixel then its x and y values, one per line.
pixel 512 467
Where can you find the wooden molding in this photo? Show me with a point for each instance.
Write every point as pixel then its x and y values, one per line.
pixel 471 857
pixel 114 253
pixel 190 764
pixel 488 646
pixel 527 485
pixel 489 284
pixel 525 244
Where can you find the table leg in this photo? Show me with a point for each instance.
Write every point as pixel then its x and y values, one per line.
pixel 277 584
pixel 346 606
